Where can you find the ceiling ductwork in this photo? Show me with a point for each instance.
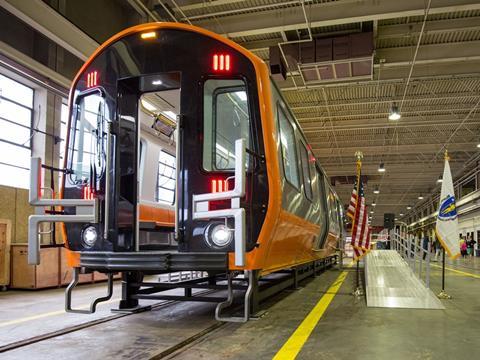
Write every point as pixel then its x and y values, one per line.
pixel 332 59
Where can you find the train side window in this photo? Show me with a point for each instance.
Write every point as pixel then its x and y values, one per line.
pixel 166 178
pixel 288 148
pixel 226 118
pixel 307 176
pixel 332 212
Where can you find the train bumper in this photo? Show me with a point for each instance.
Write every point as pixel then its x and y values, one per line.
pixel 153 261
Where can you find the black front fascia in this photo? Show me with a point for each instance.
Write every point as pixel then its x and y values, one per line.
pixel 191 54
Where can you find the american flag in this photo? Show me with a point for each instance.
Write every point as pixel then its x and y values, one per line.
pixel 358 212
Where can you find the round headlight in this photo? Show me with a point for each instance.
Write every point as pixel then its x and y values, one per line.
pixel 89 236
pixel 219 235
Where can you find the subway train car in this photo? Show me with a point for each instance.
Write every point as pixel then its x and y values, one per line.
pixel 183 155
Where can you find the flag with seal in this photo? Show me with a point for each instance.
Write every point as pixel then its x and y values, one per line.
pixel 446 228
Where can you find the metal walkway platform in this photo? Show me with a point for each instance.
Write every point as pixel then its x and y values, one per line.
pixel 391 283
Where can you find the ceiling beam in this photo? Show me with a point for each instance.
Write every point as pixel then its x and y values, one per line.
pixel 431 27
pixel 54 26
pixel 327 14
pixel 391 149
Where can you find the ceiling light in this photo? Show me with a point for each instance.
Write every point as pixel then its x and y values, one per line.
pixel 372 212
pixel 157 82
pixel 409 207
pixel 374 204
pixel 400 214
pixel 439 180
pixel 170 114
pixel 381 168
pixel 420 197
pixel 478 145
pixel 148 105
pixel 394 113
pixel 376 191
pixel 396 219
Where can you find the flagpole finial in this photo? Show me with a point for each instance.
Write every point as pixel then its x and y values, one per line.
pixel 359 155
pixel 446 155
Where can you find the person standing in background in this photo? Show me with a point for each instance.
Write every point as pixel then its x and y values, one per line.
pixel 438 249
pixel 425 242
pixel 470 246
pixel 463 247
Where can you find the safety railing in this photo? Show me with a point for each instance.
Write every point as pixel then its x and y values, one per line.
pixel 416 256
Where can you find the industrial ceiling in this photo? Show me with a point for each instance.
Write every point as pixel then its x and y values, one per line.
pixel 426 60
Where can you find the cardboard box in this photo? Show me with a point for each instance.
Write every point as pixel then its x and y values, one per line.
pixel 25 276
pixel 5 239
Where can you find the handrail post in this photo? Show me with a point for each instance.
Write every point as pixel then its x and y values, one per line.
pixel 427 275
pixel 420 260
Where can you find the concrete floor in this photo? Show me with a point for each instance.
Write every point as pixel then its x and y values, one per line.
pixel 350 330
pixel 347 330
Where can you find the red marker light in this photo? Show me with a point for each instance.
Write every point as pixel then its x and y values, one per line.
pixel 87 193
pixel 92 79
pixel 221 62
pixel 219 185
pixel 227 62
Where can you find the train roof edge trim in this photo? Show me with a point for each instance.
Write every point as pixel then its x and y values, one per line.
pixel 164 25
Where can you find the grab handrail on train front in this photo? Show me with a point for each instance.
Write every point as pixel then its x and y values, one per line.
pixel 200 203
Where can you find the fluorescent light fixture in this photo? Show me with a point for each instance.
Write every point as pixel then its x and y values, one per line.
pixel 374 204
pixel 401 214
pixel 478 145
pixel 394 113
pixel 170 114
pixel 381 167
pixel 376 191
pixel 242 95
pixel 420 197
pixel 439 180
pixel 157 82
pixel 372 212
pixel 148 105
pixel 396 219
pixel 409 208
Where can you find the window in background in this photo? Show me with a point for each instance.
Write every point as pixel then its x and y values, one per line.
pixel 16 114
pixel 166 178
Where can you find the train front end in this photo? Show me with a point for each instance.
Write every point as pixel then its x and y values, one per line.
pixel 193 95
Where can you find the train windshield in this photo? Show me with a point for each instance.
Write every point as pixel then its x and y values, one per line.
pixel 88 152
pixel 226 119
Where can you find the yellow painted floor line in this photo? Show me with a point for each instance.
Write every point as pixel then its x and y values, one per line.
pixel 48 314
pixel 464 273
pixel 296 341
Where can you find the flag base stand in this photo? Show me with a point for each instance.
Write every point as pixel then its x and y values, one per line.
pixel 358 292
pixel 443 295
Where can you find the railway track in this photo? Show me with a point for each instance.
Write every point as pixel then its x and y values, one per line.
pixel 70 329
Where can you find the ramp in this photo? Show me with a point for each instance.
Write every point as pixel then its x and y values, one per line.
pixel 391 283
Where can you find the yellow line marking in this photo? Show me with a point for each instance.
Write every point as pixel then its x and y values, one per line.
pixel 296 341
pixel 44 315
pixel 458 271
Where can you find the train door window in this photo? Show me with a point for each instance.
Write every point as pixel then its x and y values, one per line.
pixel 288 147
pixel 166 178
pixel 226 119
pixel 307 176
pixel 323 210
pixel 88 153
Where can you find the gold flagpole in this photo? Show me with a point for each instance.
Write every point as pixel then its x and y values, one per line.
pixel 359 155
